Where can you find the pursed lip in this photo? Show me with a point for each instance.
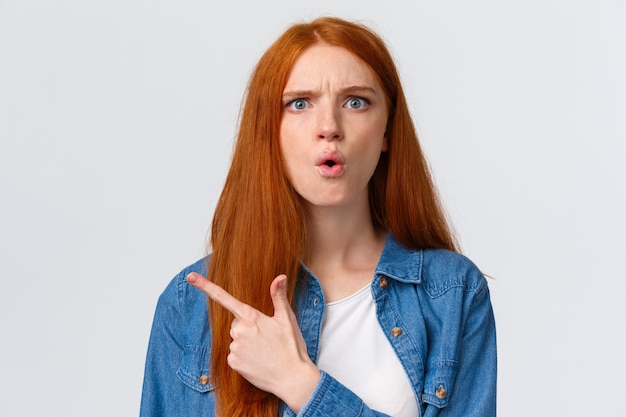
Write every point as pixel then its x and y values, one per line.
pixel 330 164
pixel 332 156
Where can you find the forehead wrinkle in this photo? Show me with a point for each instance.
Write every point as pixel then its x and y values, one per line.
pixel 347 80
pixel 331 68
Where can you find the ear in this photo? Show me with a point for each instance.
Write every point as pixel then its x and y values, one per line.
pixel 385 146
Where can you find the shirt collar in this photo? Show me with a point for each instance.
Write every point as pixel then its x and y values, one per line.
pixel 396 262
pixel 400 263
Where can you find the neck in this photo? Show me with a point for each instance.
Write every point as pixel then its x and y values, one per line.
pixel 343 236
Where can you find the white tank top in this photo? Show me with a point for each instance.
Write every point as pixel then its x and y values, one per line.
pixel 355 351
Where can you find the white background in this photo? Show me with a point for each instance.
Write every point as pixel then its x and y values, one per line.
pixel 116 127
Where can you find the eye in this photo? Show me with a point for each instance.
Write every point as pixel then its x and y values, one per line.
pixel 298 104
pixel 357 103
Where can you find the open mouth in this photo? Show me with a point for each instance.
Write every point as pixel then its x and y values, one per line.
pixel 330 164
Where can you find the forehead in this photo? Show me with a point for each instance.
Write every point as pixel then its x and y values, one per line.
pixel 323 63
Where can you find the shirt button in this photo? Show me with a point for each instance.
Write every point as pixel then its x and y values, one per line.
pixel 382 283
pixel 396 331
pixel 316 301
pixel 441 393
pixel 204 379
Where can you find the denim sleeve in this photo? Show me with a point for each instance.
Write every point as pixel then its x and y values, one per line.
pixel 177 355
pixel 475 389
pixel 331 398
pixel 164 355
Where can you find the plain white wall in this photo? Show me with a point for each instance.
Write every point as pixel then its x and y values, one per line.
pixel 116 126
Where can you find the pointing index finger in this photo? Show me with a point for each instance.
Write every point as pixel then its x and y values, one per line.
pixel 217 294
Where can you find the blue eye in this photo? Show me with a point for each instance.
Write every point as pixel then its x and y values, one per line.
pixel 356 103
pixel 298 104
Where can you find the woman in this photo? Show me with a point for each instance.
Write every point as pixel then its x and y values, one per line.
pixel 334 284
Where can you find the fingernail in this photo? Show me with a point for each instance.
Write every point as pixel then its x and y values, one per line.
pixel 282 283
pixel 191 278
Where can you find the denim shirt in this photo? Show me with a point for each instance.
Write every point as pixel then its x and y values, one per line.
pixel 433 305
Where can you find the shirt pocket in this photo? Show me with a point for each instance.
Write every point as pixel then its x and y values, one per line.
pixel 194 368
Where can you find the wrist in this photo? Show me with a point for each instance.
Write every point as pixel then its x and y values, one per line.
pixel 298 388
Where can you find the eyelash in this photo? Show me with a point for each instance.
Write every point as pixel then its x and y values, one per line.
pixel 364 101
pixel 290 103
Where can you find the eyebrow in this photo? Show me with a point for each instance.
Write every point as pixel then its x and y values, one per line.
pixel 354 89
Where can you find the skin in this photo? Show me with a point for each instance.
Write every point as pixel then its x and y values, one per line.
pixel 269 352
pixel 332 105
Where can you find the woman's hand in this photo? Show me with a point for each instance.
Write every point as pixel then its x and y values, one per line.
pixel 269 352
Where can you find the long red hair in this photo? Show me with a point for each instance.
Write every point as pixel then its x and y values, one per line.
pixel 259 226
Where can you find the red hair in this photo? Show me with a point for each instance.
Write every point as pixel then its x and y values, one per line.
pixel 259 226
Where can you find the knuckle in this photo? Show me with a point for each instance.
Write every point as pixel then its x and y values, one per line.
pixel 249 314
pixel 219 296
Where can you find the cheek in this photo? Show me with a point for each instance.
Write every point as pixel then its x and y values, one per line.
pixel 291 155
pixel 287 137
pixel 292 143
pixel 286 146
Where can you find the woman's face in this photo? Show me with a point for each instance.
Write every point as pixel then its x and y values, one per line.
pixel 333 124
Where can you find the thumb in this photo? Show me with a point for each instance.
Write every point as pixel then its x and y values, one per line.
pixel 278 291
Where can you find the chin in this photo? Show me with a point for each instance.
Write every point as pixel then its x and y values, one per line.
pixel 331 202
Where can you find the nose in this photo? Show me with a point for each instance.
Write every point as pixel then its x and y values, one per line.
pixel 329 123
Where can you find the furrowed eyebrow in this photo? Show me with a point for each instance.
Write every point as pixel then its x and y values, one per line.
pixel 355 89
pixel 358 89
pixel 298 93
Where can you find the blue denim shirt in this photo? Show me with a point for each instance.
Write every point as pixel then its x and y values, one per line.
pixel 433 306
